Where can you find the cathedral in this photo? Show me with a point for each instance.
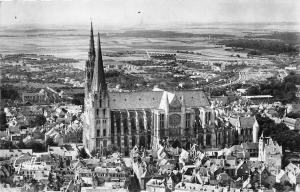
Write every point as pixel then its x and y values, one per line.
pixel 126 119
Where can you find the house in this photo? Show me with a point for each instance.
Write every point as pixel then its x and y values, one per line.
pixel 107 187
pixel 187 172
pixel 246 127
pixel 293 173
pixel 146 176
pixel 216 169
pixel 294 108
pixel 259 98
pixel 38 171
pixel 85 175
pixel 220 100
pixel 242 170
pixel 69 151
pixel 270 153
pixel 229 167
pixel 155 185
pixel 237 151
pixel 282 177
pixel 193 187
pixel 174 179
pixel 5 153
pixel 224 179
pixel 110 174
pixel 251 148
pixel 267 178
pixel 293 124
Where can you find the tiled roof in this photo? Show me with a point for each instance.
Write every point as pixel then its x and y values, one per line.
pixel 233 121
pixel 152 99
pixel 289 120
pixel 247 122
pixel 135 100
pixel 194 98
pixel 249 145
pixel 244 122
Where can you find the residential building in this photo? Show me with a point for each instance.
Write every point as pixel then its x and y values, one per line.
pixel 293 124
pixel 293 172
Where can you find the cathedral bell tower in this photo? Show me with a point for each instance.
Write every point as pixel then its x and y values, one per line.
pixel 96 135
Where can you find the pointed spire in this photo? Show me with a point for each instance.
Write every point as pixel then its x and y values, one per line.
pixel 99 83
pixel 262 135
pixel 182 101
pixel 92 53
pixel 166 103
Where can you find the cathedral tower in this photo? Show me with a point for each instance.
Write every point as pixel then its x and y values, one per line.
pixel 96 134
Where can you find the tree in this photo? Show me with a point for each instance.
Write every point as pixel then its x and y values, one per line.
pixel 112 148
pixel 73 118
pixel 21 145
pixel 279 132
pixel 280 111
pixel 78 99
pixel 253 91
pixel 293 115
pixel 279 187
pixel 3 121
pixel 51 179
pixel 50 141
pixel 83 154
pixel 9 93
pixel 37 120
pixel 4 144
pixel 94 152
pixel 36 146
pixel 176 144
pixel 61 162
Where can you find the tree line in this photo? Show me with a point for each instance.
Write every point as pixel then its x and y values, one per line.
pixel 285 137
pixel 284 91
pixel 268 46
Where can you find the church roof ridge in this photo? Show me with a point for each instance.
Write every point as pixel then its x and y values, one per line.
pixel 152 99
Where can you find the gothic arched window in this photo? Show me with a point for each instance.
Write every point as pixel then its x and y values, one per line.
pixel 208 139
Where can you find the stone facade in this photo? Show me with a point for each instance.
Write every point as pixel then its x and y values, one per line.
pixel 270 153
pixel 126 119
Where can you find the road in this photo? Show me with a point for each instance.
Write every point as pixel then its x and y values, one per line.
pixel 241 78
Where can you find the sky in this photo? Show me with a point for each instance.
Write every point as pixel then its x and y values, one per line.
pixel 146 12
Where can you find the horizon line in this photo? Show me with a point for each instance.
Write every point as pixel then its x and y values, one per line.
pixel 151 24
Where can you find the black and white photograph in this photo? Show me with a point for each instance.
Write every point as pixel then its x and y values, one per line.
pixel 150 95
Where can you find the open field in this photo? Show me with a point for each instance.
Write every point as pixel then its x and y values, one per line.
pixel 198 45
pixel 72 41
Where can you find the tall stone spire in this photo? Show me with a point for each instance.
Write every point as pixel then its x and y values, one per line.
pixel 99 83
pixel 92 53
pixel 166 100
pixel 182 101
pixel 89 66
